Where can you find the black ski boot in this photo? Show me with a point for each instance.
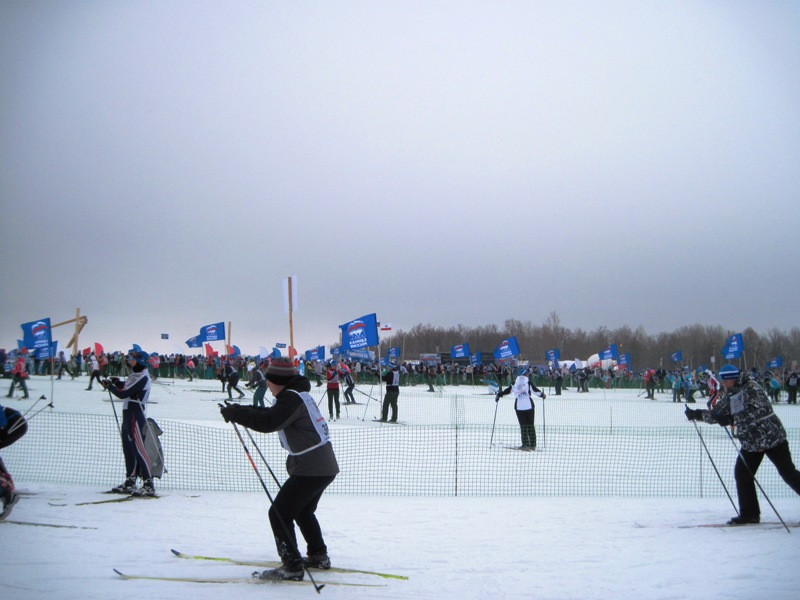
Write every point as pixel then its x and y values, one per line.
pixel 126 487
pixel 318 561
pixel 286 572
pixel 147 489
pixel 745 520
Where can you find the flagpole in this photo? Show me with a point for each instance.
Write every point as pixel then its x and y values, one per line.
pixel 228 345
pixel 291 324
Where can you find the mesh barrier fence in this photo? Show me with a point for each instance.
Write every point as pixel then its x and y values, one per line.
pixel 447 445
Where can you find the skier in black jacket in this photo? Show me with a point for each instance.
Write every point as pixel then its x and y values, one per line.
pixel 745 404
pixel 311 466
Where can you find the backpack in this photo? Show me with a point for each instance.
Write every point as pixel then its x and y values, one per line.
pixel 153 447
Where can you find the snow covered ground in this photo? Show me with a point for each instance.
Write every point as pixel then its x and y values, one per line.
pixel 498 547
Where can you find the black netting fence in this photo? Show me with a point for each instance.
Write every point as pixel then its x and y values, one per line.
pixel 472 453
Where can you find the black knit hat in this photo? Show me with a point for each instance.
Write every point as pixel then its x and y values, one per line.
pixel 280 370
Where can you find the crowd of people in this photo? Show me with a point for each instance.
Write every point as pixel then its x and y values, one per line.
pixel 682 382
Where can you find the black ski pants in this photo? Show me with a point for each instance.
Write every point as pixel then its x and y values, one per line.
pixel 527 428
pixel 744 472
pixel 296 502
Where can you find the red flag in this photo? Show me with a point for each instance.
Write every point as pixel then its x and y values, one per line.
pixel 209 350
pixel 98 348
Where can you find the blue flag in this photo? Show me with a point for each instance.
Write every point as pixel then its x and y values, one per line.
pixel 360 333
pixel 677 356
pixel 212 333
pixel 506 349
pixel 317 353
pixel 475 359
pixel 394 353
pixel 733 347
pixel 194 342
pixel 553 355
pixel 609 353
pixel 625 359
pixel 459 351
pixel 36 338
pixel 775 363
pixel 280 345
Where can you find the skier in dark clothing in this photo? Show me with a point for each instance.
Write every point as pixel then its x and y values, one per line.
pixel 135 390
pixel 311 466
pixel 523 391
pixel 392 381
pixel 12 427
pixel 231 375
pixel 745 404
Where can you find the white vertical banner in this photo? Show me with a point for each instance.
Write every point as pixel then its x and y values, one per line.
pixel 294 305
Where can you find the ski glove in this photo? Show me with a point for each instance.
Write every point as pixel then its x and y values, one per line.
pixel 497 397
pixel 228 412
pixel 543 396
pixel 693 414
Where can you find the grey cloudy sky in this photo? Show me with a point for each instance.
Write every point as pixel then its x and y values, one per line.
pixel 165 165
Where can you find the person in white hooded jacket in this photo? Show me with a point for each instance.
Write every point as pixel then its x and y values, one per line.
pixel 524 391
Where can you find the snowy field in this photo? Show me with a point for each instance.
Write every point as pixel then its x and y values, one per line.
pixel 448 547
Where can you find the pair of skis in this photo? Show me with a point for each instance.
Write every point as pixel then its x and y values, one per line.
pixel 254 578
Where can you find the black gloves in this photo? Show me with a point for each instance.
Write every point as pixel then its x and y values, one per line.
pixel 543 396
pixel 693 414
pixel 228 411
pixel 497 397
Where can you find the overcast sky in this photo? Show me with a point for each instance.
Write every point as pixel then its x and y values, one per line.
pixel 166 165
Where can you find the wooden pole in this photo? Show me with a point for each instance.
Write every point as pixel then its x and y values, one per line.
pixel 80 322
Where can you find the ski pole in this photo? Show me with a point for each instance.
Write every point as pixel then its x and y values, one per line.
pixel 544 425
pixel 496 404
pixel 285 528
pixel 365 394
pixel 264 460
pixel 711 460
pixel 114 408
pixel 20 422
pixel 42 397
pixel 753 475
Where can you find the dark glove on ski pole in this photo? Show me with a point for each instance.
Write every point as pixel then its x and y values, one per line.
pixel 693 414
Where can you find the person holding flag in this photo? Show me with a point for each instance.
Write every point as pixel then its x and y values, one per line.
pixel 745 404
pixel 524 391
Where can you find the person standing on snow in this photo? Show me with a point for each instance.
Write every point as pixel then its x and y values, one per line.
pixel 12 427
pixel 523 391
pixel 347 379
pixel 135 390
pixel 332 375
pixel 311 466
pixel 745 404
pixel 712 387
pixel 257 382
pixel 20 374
pixel 231 376
pixel 392 381
pixel 94 371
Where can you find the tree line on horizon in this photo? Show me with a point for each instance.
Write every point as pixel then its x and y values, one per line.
pixel 697 343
